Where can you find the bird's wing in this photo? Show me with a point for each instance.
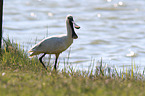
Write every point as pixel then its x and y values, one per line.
pixel 49 45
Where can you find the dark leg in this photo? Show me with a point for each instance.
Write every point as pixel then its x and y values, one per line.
pixel 41 60
pixel 57 55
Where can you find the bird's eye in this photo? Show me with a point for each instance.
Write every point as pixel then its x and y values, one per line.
pixel 70 18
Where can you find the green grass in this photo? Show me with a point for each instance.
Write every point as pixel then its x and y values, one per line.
pixel 21 76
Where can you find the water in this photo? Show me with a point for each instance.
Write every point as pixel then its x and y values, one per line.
pixel 110 29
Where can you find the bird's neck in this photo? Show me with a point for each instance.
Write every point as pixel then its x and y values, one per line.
pixel 69 30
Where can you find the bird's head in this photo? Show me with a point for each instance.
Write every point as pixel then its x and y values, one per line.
pixel 73 25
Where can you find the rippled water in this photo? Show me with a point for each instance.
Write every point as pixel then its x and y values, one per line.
pixel 111 29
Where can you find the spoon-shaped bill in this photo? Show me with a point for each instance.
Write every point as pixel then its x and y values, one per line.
pixel 75 25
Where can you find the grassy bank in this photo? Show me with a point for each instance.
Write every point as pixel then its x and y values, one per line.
pixel 21 76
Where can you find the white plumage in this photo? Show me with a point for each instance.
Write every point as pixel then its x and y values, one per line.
pixel 56 44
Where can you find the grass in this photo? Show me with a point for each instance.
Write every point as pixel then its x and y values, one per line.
pixel 21 76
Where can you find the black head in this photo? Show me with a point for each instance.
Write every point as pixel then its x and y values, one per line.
pixel 70 18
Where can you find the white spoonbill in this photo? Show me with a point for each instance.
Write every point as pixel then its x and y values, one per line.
pixel 56 44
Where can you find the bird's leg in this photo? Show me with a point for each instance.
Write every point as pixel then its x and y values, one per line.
pixel 41 60
pixel 57 55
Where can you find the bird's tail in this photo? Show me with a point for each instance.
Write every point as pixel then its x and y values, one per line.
pixel 33 53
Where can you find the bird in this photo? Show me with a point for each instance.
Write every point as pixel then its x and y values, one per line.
pixel 56 44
